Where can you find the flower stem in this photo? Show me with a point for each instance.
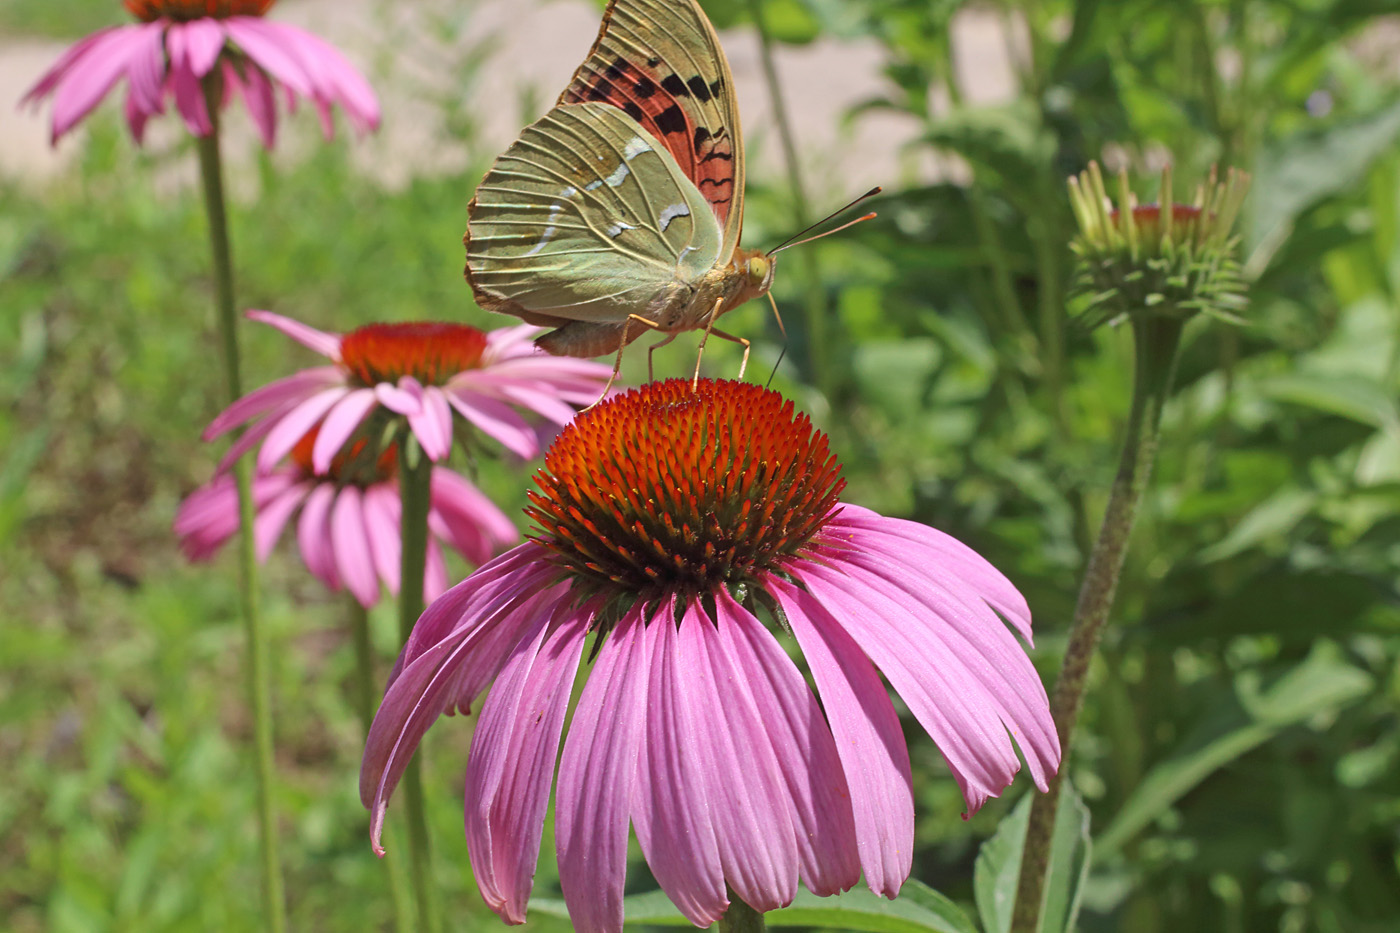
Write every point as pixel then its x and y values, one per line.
pixel 741 918
pixel 259 689
pixel 415 478
pixel 366 698
pixel 1155 340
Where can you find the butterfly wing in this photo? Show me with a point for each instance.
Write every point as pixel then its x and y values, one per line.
pixel 660 62
pixel 585 218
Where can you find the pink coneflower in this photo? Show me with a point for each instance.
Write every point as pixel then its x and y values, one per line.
pixel 180 43
pixel 670 522
pixel 422 371
pixel 348 530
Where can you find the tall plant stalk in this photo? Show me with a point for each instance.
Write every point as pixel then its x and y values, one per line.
pixel 415 479
pixel 367 688
pixel 741 918
pixel 1155 342
pixel 255 636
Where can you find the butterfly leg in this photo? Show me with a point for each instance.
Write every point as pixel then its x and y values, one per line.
pixel 651 371
pixel 700 351
pixel 622 345
pixel 747 344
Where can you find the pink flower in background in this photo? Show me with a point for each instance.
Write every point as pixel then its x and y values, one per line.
pixel 422 371
pixel 671 522
pixel 180 43
pixel 348 529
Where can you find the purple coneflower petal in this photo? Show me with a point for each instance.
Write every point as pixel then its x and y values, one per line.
pixel 404 399
pixel 435 572
pixel 295 424
pixel 467 519
pixel 752 816
pixel 341 422
pixel 185 82
pixel 313 536
pixel 146 74
pixel 334 78
pixel 496 420
pixel 432 424
pixel 203 40
pixel 943 696
pixel 328 345
pixel 56 73
pixel 819 795
pixel 382 515
pixel 670 805
pixel 272 518
pixel 511 765
pixel 90 76
pixel 894 536
pixel 596 776
pixel 293 388
pixel 352 556
pixel 868 737
pixel 265 44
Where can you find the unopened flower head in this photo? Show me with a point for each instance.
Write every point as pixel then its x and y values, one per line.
pixel 391 380
pixel 348 518
pixel 682 530
pixel 186 50
pixel 1168 259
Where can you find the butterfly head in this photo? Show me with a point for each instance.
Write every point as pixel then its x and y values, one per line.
pixel 755 268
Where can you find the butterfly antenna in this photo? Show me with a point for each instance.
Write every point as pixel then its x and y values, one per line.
pixel 783 353
pixel 789 242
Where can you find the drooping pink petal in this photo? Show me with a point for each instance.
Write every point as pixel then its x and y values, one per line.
pixel 434 571
pixel 898 534
pixel 326 344
pixel 51 78
pixel 944 698
pixel 254 435
pixel 334 78
pixel 506 342
pixel 273 517
pixel 203 40
pixel 806 751
pixel 497 420
pixel 352 557
pixel 472 523
pixel 422 689
pixel 295 424
pixel 752 816
pixel 258 97
pixel 313 536
pixel 381 504
pixel 670 806
pixel 940 600
pixel 185 84
pixel 264 43
pixel 404 399
pixel 298 386
pixel 868 737
pixel 146 73
pixel 511 765
pixel 341 422
pixel 90 76
pixel 432 424
pixel 596 776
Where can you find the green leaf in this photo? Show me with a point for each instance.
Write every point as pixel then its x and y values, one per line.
pixel 1320 683
pixel 1273 518
pixel 1362 400
pixel 999 866
pixel 918 909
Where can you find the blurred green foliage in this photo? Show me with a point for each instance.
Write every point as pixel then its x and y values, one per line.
pixel 1241 750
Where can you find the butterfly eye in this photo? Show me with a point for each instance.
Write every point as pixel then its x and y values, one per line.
pixel 758 270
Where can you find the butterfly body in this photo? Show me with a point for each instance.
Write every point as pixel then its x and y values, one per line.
pixel 619 211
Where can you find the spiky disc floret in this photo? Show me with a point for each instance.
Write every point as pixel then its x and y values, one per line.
pixel 430 352
pixel 150 10
pixel 1142 259
pixel 674 489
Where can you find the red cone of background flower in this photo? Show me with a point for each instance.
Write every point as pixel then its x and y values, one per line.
pixel 667 517
pixel 179 43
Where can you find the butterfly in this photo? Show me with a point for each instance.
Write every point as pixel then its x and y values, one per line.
pixel 619 211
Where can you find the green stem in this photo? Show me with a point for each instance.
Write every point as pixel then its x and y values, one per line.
pixel 259 689
pixel 367 699
pixel 1155 341
pixel 741 918
pixel 415 478
pixel 814 317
